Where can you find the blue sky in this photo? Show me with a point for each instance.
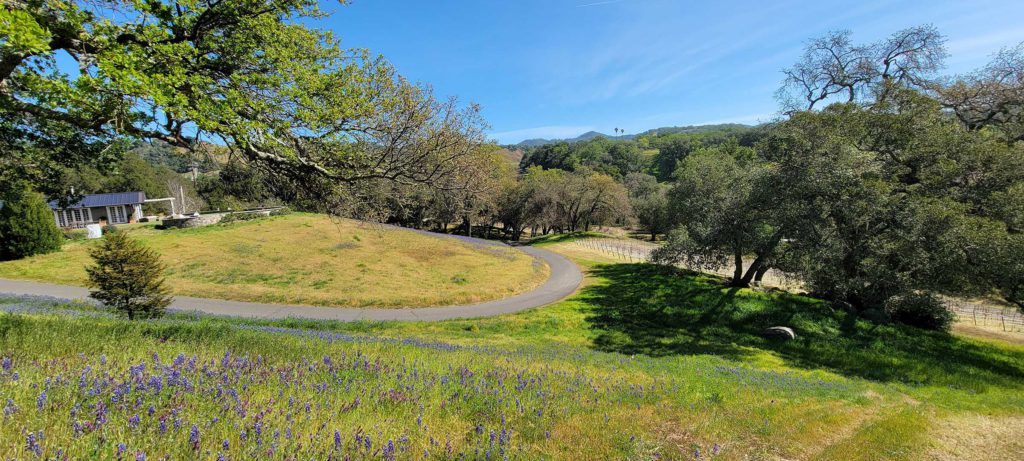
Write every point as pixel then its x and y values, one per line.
pixel 558 68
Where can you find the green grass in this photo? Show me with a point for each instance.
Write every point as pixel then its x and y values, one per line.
pixel 564 380
pixel 311 259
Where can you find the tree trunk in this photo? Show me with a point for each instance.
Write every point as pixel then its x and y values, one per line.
pixel 737 272
pixel 755 267
pixel 760 273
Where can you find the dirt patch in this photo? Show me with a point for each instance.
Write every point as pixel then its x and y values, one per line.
pixel 988 332
pixel 978 437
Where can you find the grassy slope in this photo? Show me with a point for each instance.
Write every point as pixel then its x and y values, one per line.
pixel 565 380
pixel 311 259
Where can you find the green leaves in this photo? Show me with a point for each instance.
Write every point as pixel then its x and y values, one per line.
pixel 246 73
pixel 128 277
pixel 27 226
pixel 21 33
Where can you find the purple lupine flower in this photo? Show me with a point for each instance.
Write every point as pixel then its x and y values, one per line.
pixel 220 457
pixel 41 400
pixel 337 440
pixel 121 449
pixel 10 408
pixel 6 363
pixel 32 444
pixel 133 422
pixel 140 456
pixel 226 445
pixel 696 453
pixel 193 436
pixel 103 359
pixel 367 441
pixel 715 449
pixel 389 451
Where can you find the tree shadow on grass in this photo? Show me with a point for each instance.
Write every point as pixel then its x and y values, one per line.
pixel 662 311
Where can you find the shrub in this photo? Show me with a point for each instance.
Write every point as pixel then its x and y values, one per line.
pixel 236 217
pixel 75 234
pixel 922 310
pixel 281 212
pixel 26 226
pixel 128 277
pixel 109 229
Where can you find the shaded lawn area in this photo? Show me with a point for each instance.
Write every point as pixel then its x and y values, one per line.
pixel 661 311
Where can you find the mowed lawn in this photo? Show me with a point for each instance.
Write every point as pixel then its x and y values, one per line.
pixel 644 363
pixel 312 259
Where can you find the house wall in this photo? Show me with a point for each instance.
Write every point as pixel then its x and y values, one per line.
pixel 98 212
pixel 79 217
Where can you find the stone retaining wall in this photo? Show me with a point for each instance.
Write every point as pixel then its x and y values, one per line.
pixel 207 219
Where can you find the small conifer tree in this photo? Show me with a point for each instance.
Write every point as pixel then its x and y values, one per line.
pixel 128 277
pixel 27 226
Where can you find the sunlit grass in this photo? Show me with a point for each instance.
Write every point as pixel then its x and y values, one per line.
pixel 311 259
pixel 643 363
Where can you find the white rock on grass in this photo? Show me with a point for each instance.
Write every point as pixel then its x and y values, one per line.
pixel 785 333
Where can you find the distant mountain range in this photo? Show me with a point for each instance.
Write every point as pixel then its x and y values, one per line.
pixel 583 137
pixel 692 129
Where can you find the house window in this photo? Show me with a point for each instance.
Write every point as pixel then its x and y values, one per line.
pixel 117 215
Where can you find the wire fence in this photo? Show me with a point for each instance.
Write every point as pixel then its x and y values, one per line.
pixel 986 314
pixel 980 313
pixel 626 250
pixel 631 250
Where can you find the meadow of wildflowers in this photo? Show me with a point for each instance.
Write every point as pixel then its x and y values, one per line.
pixel 92 387
pixel 79 383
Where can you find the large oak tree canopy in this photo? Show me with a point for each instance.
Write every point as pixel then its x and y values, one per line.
pixel 246 73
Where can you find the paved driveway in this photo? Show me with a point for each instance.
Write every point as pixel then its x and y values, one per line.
pixel 565 278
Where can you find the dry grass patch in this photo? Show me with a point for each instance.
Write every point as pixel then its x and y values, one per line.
pixel 978 437
pixel 312 259
pixel 988 332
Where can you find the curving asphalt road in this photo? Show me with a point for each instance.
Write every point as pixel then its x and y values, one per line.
pixel 565 278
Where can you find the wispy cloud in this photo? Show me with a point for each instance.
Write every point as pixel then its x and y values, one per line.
pixel 606 2
pixel 982 45
pixel 632 59
pixel 546 132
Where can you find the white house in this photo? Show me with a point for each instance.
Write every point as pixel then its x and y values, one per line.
pixel 117 208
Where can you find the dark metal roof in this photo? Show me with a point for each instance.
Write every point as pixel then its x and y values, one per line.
pixel 119 198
